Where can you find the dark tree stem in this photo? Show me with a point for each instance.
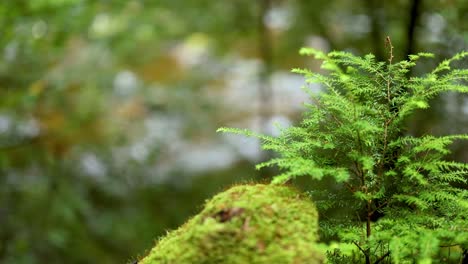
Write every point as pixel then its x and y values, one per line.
pixel 376 34
pixel 415 11
pixel 265 98
pixel 368 228
pixel 266 54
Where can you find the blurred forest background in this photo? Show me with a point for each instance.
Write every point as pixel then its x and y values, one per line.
pixel 108 109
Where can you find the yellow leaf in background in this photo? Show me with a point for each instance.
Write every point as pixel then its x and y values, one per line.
pixel 132 109
pixel 164 69
pixel 198 39
pixel 54 121
pixel 37 87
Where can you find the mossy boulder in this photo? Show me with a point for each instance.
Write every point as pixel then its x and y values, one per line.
pixel 245 224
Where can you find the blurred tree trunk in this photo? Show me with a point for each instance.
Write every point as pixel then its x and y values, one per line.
pixel 265 90
pixel 266 54
pixel 413 17
pixel 375 33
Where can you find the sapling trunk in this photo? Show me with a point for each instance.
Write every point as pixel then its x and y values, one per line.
pixel 368 229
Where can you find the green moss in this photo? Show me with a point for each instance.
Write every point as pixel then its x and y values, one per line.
pixel 245 224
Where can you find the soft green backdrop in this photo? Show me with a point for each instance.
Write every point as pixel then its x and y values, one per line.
pixel 108 109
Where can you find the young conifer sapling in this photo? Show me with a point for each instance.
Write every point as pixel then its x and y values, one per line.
pixel 400 197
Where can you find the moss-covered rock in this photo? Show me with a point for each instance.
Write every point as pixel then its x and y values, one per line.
pixel 245 224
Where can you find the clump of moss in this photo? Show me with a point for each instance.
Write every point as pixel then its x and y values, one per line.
pixel 245 224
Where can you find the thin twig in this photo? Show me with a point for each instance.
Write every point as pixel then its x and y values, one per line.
pixel 350 187
pixel 379 207
pixel 382 257
pixel 360 248
pixel 319 104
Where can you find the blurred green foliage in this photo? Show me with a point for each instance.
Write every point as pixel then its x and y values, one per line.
pixel 84 173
